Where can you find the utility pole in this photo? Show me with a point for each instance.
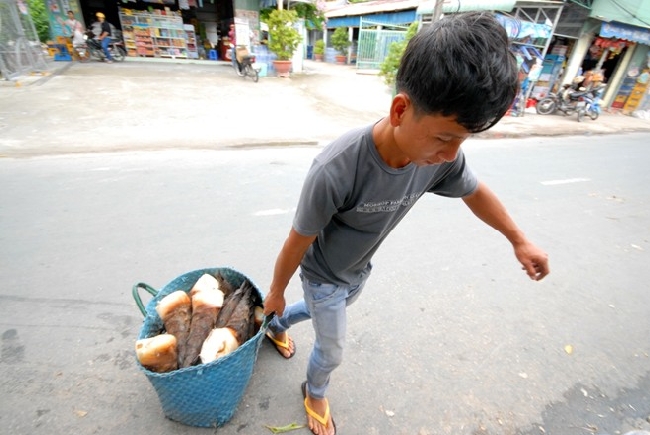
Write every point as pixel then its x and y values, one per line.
pixel 437 11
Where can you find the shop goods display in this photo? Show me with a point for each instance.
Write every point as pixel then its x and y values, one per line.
pixel 190 39
pixel 199 343
pixel 153 34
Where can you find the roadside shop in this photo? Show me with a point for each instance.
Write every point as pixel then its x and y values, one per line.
pixel 624 52
pixel 615 43
pixel 166 29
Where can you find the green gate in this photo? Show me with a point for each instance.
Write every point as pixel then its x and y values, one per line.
pixel 375 40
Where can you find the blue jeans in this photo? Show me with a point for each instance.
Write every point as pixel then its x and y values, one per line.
pixel 105 42
pixel 325 305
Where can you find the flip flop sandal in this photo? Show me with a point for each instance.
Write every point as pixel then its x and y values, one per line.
pixel 281 345
pixel 322 420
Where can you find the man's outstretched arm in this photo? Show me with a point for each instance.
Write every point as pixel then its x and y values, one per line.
pixel 487 207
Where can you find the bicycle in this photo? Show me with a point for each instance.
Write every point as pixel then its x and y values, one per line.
pixel 244 63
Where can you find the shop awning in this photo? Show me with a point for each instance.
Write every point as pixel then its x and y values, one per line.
pixel 625 31
pixel 634 13
pixel 455 6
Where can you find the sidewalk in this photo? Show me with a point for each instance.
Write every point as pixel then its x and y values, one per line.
pixel 138 106
pixel 531 124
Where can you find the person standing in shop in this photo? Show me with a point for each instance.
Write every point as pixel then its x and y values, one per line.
pixel 105 36
pixel 76 29
pixel 232 35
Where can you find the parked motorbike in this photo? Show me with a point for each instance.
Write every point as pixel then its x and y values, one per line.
pixel 245 63
pixel 92 49
pixel 590 104
pixel 566 101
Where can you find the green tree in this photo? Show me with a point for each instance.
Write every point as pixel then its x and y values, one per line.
pixel 319 47
pixel 340 40
pixel 38 12
pixel 283 37
pixel 314 17
pixel 388 68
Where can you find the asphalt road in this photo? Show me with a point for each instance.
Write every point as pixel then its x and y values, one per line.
pixel 449 337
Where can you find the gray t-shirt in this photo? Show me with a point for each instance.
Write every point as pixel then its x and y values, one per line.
pixel 352 200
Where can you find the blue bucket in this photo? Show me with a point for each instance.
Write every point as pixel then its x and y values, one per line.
pixel 205 395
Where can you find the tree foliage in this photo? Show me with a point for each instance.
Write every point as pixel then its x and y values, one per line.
pixel 38 12
pixel 388 68
pixel 314 17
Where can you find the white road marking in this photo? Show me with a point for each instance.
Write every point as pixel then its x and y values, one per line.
pixel 567 181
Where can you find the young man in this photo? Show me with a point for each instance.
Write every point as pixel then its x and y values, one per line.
pixel 105 36
pixel 457 77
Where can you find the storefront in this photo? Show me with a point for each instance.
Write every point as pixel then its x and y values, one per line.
pixel 530 27
pixel 615 42
pixel 625 60
pixel 561 47
pixel 175 29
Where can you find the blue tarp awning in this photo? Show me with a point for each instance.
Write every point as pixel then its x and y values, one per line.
pixel 520 29
pixel 625 31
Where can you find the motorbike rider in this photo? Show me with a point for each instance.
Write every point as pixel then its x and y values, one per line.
pixel 105 36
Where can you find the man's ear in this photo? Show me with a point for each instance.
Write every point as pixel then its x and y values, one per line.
pixel 398 107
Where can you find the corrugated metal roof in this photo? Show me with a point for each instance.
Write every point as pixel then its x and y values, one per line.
pixel 386 19
pixel 455 6
pixel 371 7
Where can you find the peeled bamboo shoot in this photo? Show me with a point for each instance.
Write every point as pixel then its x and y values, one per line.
pixel 220 342
pixel 175 310
pixel 158 353
pixel 205 309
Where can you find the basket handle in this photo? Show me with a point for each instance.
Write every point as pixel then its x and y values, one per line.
pixel 267 320
pixel 136 295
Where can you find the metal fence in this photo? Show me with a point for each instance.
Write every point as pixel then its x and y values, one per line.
pixel 375 41
pixel 20 47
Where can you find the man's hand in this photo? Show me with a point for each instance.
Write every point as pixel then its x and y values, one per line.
pixel 533 260
pixel 274 304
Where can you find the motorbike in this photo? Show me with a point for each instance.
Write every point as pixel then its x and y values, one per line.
pixel 245 63
pixel 590 104
pixel 92 49
pixel 566 101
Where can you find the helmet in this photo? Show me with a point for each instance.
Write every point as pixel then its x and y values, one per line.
pixel 100 15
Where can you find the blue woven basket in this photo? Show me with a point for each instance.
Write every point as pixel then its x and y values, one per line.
pixel 205 395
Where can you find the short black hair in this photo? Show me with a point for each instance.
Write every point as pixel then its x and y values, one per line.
pixel 460 66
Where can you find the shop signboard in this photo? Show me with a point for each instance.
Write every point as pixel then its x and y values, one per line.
pixel 624 31
pixel 57 11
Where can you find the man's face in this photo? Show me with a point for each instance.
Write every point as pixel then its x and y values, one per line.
pixel 70 15
pixel 425 139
